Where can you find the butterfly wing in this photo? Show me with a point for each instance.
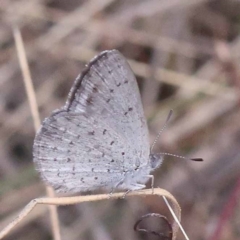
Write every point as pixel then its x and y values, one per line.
pixel 108 90
pixel 99 134
pixel 76 153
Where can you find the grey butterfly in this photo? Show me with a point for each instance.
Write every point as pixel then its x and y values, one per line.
pixel 99 139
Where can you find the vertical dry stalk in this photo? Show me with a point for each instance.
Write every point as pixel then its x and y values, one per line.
pixel 36 119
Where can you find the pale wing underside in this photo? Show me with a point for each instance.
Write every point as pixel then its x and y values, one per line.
pixel 75 153
pixel 100 133
pixel 108 90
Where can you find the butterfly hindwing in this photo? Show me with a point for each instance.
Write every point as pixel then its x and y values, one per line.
pixel 75 153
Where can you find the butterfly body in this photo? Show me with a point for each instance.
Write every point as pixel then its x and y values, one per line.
pixel 99 139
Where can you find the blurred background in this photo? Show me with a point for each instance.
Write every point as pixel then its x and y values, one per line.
pixel 185 55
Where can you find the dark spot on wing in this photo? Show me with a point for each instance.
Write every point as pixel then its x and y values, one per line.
pixel 54 159
pixel 112 142
pixel 111 90
pixel 92 169
pixel 95 90
pixel 71 143
pixel 96 178
pixel 119 84
pixel 108 100
pixel 104 131
pixel 123 153
pixel 129 110
pixel 112 160
pixel 82 180
pixel 68 160
pixel 68 119
pixel 108 170
pixel 89 100
pixel 109 71
pixel 126 81
pixel 91 133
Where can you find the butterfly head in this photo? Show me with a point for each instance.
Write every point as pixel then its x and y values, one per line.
pixel 155 160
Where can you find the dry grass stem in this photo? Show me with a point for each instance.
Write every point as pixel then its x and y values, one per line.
pixel 36 119
pixel 61 201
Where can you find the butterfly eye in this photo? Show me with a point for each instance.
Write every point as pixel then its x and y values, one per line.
pixel 155 160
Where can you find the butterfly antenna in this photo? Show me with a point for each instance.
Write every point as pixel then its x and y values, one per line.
pixel 164 126
pixel 179 156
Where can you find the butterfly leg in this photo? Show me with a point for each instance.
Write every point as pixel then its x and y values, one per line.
pixel 111 193
pixel 134 187
pixel 125 194
pixel 152 182
pixel 115 187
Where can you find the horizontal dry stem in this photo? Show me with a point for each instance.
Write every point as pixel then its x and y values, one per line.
pixel 59 201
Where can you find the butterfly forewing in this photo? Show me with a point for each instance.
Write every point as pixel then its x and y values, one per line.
pixel 108 90
pixel 100 132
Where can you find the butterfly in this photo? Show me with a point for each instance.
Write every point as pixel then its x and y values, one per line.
pixel 99 138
